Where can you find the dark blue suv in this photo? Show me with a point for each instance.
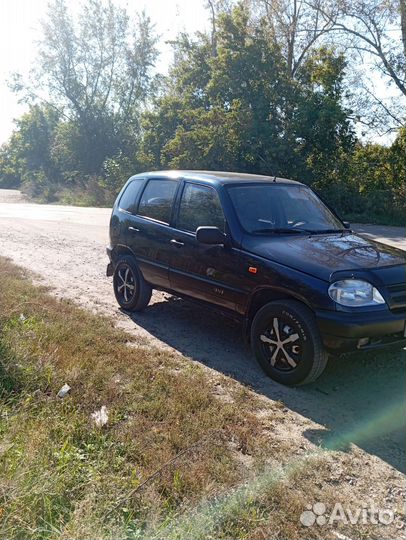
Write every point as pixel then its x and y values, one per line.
pixel 265 250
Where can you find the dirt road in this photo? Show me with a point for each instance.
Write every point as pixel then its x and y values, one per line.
pixel 353 403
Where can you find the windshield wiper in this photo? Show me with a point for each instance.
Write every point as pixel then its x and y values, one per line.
pixel 286 230
pixel 328 231
pixel 280 230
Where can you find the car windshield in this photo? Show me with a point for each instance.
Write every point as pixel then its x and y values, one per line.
pixel 274 208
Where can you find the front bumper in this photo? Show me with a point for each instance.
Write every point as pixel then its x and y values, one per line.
pixel 343 331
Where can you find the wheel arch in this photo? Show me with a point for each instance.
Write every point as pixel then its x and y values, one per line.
pixel 264 295
pixel 120 250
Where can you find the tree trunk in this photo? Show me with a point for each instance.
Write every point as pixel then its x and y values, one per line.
pixel 213 28
pixel 403 23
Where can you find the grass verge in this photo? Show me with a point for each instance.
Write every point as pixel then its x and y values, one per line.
pixel 185 453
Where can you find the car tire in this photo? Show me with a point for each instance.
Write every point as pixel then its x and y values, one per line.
pixel 287 343
pixel 131 290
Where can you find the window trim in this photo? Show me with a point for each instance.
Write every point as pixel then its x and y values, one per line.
pixel 200 184
pixel 154 220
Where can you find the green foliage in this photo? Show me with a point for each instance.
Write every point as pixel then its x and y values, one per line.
pixel 26 158
pixel 239 110
pixel 372 188
pixel 96 70
pixel 229 103
pixel 10 165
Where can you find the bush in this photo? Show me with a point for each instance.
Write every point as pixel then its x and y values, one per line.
pixel 94 193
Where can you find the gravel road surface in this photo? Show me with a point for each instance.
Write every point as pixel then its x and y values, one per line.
pixel 65 247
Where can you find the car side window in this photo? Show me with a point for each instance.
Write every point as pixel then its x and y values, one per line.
pixel 128 199
pixel 157 199
pixel 200 206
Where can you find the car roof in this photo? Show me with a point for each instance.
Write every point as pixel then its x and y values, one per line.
pixel 217 177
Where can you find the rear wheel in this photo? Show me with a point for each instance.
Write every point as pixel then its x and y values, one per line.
pixel 132 292
pixel 287 344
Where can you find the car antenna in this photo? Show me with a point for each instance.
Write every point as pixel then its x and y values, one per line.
pixel 265 161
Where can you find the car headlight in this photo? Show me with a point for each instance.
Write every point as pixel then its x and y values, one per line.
pixel 355 293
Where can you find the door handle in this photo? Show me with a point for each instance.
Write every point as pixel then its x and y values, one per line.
pixel 177 243
pixel 133 229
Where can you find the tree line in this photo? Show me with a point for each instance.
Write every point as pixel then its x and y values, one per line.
pixel 272 88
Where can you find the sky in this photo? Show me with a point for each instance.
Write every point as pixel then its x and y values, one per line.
pixel 20 29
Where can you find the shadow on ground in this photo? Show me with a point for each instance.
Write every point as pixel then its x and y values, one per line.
pixel 359 399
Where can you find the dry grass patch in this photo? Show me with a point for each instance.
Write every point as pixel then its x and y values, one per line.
pixel 176 459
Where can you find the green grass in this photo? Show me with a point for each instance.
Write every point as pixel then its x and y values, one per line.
pixel 174 460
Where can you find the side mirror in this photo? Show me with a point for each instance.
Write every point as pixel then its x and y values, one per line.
pixel 211 235
pixel 347 224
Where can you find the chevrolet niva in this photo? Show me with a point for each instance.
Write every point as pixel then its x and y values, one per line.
pixel 265 250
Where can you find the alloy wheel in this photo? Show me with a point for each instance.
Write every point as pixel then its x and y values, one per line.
pixel 126 283
pixel 282 344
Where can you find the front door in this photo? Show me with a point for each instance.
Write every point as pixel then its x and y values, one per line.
pixel 198 270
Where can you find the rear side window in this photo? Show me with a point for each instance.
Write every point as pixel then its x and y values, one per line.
pixel 157 199
pixel 200 206
pixel 129 197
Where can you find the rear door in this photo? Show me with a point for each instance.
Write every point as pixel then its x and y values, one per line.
pixel 198 270
pixel 126 207
pixel 148 232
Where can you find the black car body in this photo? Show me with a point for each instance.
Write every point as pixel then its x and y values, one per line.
pixel 209 236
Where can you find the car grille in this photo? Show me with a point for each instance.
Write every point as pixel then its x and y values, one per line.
pixel 397 297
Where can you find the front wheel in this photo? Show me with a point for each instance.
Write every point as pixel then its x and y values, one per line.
pixel 287 343
pixel 132 292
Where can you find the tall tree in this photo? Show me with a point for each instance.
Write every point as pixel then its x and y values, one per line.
pixel 241 110
pixel 296 26
pixel 373 29
pixel 370 22
pixel 367 31
pixel 96 69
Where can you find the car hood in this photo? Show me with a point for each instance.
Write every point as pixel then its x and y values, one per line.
pixel 324 255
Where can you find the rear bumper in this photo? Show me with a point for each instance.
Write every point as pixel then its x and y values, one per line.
pixel 110 266
pixel 368 330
